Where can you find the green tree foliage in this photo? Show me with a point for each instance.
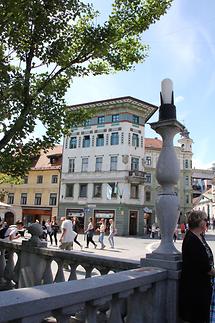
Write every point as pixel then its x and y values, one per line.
pixel 44 44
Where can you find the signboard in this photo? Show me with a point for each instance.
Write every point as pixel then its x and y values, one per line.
pixel 104 215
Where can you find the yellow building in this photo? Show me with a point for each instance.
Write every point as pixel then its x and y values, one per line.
pixel 37 198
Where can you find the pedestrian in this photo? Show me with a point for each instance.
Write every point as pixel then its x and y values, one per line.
pixel 75 224
pixel 48 228
pixel 12 231
pixel 67 234
pixel 153 230
pixel 101 230
pixel 195 287
pixel 112 232
pixel 44 234
pixel 183 230
pixel 90 233
pixel 54 230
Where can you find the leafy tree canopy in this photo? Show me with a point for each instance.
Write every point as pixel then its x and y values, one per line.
pixel 44 44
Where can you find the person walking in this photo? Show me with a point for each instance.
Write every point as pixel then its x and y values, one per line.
pixel 54 230
pixel 195 286
pixel 12 231
pixel 112 232
pixel 67 234
pixel 101 230
pixel 75 224
pixel 90 233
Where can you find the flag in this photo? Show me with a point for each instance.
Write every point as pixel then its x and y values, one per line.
pixel 109 192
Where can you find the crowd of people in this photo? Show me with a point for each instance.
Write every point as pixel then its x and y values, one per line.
pixel 67 231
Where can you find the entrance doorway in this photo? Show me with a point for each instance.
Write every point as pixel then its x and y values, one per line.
pixel 9 218
pixel 133 223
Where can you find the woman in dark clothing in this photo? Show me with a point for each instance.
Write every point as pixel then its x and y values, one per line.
pixel 75 226
pixel 54 230
pixel 195 286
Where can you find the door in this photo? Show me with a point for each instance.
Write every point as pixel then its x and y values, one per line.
pixel 133 223
pixel 9 218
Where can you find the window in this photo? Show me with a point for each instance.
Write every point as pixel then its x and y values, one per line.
pixel 114 190
pixel 115 118
pixel 135 140
pixel 100 140
pixel 69 190
pixel 187 199
pixel 26 180
pixel 186 163
pixel 134 163
pixel 187 182
pixel 114 138
pixel 97 190
pixel 73 143
pixel 23 199
pixel 101 120
pixel 86 123
pixel 53 199
pixel 147 196
pixel 54 179
pixel 10 198
pixel 99 164
pixel 37 198
pixel 86 141
pixel 134 191
pixel 84 165
pixel 135 119
pixel 39 179
pixel 113 163
pixel 148 160
pixel 148 178
pixel 71 167
pixel 83 190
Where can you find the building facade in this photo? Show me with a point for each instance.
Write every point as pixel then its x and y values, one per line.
pixel 37 197
pixel 109 168
pixel 103 165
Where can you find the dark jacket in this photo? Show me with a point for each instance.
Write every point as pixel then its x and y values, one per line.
pixel 195 284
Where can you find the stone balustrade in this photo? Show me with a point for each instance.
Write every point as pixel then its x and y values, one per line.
pixel 131 296
pixel 28 265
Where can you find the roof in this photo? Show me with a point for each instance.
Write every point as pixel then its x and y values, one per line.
pixel 43 161
pixel 148 108
pixel 153 143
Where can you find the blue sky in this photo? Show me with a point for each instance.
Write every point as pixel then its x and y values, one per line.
pixel 182 47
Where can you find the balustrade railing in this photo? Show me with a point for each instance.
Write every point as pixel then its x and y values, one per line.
pixel 131 296
pixel 27 265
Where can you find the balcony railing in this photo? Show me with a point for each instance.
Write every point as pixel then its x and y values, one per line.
pixel 136 176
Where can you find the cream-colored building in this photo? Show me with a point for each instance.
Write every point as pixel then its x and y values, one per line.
pixel 37 198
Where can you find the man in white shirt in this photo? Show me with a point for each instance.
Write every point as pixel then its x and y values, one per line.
pixel 68 235
pixel 12 231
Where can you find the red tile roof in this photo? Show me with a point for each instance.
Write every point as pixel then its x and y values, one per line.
pixel 43 161
pixel 153 143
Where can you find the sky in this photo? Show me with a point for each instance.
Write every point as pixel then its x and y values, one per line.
pixel 182 48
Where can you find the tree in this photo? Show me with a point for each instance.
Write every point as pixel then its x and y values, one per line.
pixel 44 45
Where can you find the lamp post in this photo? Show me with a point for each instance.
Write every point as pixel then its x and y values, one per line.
pixel 167 169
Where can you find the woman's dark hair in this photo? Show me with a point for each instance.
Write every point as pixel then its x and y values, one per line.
pixel 195 218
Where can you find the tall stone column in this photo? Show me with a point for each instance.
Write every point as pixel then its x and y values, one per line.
pixel 167 208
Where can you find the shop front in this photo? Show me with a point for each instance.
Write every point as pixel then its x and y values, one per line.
pixel 79 213
pixel 32 215
pixel 105 214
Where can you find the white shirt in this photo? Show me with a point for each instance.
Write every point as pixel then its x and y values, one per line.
pixel 10 234
pixel 69 234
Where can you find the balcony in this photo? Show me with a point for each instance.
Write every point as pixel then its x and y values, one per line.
pixel 136 177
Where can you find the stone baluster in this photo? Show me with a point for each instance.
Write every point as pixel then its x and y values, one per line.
pixel 103 270
pixel 73 267
pixel 88 270
pixel 134 305
pixel 60 275
pixel 116 315
pixel 48 276
pixel 9 269
pixel 2 265
pixel 96 309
